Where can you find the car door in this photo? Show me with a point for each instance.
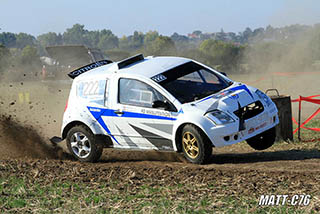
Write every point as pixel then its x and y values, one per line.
pixel 138 122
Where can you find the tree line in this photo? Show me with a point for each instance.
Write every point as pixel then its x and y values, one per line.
pixel 226 51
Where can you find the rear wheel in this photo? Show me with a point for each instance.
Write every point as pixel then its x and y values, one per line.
pixel 196 146
pixel 83 145
pixel 264 140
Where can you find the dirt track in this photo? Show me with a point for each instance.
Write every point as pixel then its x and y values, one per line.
pixel 242 177
pixel 26 152
pixel 32 111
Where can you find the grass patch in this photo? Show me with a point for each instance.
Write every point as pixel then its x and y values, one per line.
pixel 19 195
pixel 308 135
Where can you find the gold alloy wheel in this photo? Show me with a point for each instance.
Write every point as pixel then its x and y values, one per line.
pixel 190 145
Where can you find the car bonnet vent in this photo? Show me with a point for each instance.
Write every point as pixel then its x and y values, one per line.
pixel 250 110
pixel 129 61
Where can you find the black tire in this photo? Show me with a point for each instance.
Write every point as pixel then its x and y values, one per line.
pixel 264 140
pixel 87 149
pixel 200 140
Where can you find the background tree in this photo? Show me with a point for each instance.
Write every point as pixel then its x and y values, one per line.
pixel 136 40
pixel 76 35
pixel 29 56
pixel 8 39
pixel 50 39
pixel 182 42
pixel 224 55
pixel 93 38
pixel 150 37
pixel 4 56
pixel 23 40
pixel 162 45
pixel 107 40
pixel 247 33
pixel 314 44
pixel 124 43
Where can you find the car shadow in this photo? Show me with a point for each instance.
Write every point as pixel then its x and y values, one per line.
pixel 254 157
pixel 113 156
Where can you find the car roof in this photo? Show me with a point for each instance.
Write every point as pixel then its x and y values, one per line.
pixel 148 67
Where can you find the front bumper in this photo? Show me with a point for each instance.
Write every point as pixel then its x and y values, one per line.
pixel 224 135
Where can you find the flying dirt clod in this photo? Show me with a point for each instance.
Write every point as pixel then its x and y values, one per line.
pixel 17 140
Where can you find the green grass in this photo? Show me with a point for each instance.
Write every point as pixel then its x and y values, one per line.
pixel 230 193
pixel 19 195
pixel 308 135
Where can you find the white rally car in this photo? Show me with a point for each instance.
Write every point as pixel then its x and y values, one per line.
pixel 163 103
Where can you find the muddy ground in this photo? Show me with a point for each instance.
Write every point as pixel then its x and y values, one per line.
pixel 31 113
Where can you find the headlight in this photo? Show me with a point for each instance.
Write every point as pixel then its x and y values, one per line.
pixel 219 117
pixel 264 97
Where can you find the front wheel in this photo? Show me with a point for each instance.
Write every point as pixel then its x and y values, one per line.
pixel 83 145
pixel 264 140
pixel 196 146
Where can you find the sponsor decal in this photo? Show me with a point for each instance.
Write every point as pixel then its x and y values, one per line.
pixel 251 130
pixel 222 94
pixel 86 68
pixel 94 109
pixel 148 114
pixel 234 96
pixel 261 126
pixel 159 78
pixel 157 113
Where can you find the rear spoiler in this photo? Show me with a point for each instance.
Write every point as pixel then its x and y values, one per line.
pixel 131 60
pixel 88 67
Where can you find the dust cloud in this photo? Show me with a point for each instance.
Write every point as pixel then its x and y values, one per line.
pixel 284 61
pixel 18 140
pixel 30 114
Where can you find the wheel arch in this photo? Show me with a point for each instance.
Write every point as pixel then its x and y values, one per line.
pixel 178 135
pixel 73 124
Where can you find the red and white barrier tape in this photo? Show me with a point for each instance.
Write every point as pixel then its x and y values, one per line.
pixel 311 100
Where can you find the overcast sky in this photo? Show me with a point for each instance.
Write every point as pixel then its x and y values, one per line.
pixel 123 17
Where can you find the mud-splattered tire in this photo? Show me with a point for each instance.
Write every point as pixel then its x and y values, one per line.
pixel 264 140
pixel 83 145
pixel 196 147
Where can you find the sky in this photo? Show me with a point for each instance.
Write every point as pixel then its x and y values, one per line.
pixel 123 17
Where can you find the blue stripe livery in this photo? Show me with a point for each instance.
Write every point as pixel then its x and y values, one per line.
pixel 244 87
pixel 225 93
pixel 97 113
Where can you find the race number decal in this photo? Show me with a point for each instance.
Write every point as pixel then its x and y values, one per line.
pixel 92 90
pixel 158 78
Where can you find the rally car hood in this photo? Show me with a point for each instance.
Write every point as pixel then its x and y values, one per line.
pixel 228 100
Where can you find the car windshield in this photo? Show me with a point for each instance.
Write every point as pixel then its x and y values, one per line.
pixel 191 81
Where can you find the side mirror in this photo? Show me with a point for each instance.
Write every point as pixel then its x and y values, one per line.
pixel 163 105
pixel 160 104
pixel 223 73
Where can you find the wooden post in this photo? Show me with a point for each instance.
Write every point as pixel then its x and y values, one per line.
pixel 284 128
